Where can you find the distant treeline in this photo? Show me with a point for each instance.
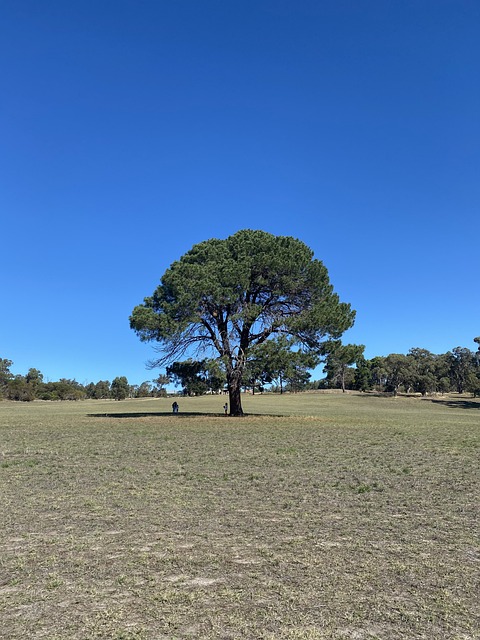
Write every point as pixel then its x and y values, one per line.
pixel 419 371
pixel 32 387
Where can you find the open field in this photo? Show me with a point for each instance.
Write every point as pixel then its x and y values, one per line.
pixel 317 516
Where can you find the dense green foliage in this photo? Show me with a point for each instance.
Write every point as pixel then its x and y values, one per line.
pixel 32 387
pixel 338 358
pixel 197 377
pixel 119 388
pixel 278 363
pixel 419 371
pixel 228 297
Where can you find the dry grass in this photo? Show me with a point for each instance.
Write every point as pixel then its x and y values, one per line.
pixel 315 517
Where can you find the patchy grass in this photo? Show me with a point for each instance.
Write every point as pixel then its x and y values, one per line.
pixel 317 516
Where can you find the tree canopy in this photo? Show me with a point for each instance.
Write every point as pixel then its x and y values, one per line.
pixel 227 297
pixel 339 357
pixel 196 377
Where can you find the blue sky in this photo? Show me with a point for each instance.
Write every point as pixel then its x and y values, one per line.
pixel 131 130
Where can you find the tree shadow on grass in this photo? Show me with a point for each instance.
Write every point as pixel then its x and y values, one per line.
pixel 192 414
pixel 458 404
pixel 446 402
pixel 154 414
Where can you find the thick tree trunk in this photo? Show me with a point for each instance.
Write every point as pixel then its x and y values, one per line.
pixel 234 393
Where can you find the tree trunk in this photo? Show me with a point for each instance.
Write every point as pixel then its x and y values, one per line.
pixel 234 380
pixel 234 393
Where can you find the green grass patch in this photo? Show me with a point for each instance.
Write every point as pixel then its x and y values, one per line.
pixel 315 516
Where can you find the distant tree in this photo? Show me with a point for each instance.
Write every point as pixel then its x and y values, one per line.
pixel 295 369
pixel 462 362
pixel 5 375
pixel 102 389
pixel 423 377
pixel 132 390
pixel 473 384
pixel 378 372
pixel 442 373
pixel 277 360
pixel 68 389
pixel 363 376
pixel 99 390
pixel 187 374
pixel 256 374
pixel 296 377
pixel 215 375
pixel 120 388
pixel 34 379
pixel 63 389
pixel 338 358
pixel 267 363
pixel 159 384
pixel 196 377
pixel 162 380
pixel 144 390
pixel 20 389
pixel 477 353
pixel 225 297
pixel 443 384
pixel 398 371
pixel 34 376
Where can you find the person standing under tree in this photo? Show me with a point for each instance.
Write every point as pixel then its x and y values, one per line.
pixel 225 408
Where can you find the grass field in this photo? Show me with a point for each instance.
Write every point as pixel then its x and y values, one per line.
pixel 316 516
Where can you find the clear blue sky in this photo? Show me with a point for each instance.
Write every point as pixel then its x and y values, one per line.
pixel 132 129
